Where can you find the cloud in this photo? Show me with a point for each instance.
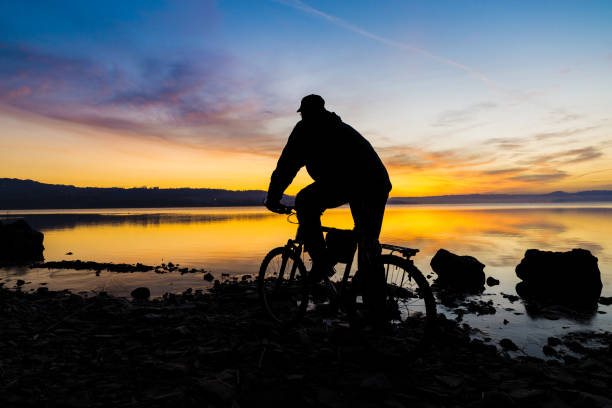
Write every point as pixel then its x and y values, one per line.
pixel 451 118
pixel 562 115
pixel 506 143
pixel 199 99
pixel 566 157
pixel 505 171
pixel 413 158
pixel 522 143
pixel 541 177
pixel 563 133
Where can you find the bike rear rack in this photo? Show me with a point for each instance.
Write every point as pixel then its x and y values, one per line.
pixel 406 252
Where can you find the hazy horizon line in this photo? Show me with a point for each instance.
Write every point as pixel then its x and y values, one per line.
pixel 251 189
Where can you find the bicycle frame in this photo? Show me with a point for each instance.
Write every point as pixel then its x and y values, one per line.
pixel 297 246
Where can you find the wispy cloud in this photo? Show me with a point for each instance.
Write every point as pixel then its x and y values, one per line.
pixel 512 170
pixel 541 177
pixel 521 143
pixel 194 99
pixel 297 4
pixel 566 157
pixel 454 117
pixel 563 133
pixel 412 158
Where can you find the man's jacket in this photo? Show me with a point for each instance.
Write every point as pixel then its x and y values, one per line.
pixel 335 154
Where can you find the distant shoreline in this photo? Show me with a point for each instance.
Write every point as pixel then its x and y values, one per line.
pixel 12 212
pixel 16 194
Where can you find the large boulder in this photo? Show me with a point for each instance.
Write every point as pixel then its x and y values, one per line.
pixel 141 293
pixel 19 243
pixel 458 272
pixel 571 277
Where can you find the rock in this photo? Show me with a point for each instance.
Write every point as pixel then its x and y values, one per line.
pixel 549 351
pixel 452 381
pixel 508 344
pixel 480 307
pixel 218 391
pixel 246 277
pixel 19 243
pixel 209 277
pixel 574 346
pixel 459 272
pixel 497 399
pixel 20 282
pixel 377 382
pixel 606 301
pixel 491 281
pixel 95 266
pixel 141 293
pixel 68 253
pixel 511 298
pixel 571 277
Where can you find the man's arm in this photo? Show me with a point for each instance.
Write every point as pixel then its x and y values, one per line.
pixel 289 163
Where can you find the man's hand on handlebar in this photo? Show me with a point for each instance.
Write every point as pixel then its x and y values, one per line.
pixel 277 207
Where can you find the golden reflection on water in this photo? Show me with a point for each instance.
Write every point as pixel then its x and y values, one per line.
pixel 235 240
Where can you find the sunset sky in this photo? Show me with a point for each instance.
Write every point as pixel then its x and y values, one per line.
pixel 456 96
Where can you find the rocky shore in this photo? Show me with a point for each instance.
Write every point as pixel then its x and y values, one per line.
pixel 218 349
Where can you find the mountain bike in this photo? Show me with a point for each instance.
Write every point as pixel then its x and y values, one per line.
pixel 286 293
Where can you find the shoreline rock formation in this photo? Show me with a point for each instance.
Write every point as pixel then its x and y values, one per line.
pixel 19 243
pixel 571 278
pixel 458 272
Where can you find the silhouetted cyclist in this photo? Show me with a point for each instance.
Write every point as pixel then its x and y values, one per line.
pixel 345 169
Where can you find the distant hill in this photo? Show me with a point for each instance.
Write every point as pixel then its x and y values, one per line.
pixel 28 194
pixel 554 197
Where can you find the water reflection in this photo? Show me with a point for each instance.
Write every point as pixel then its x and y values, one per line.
pixel 235 240
pixel 48 222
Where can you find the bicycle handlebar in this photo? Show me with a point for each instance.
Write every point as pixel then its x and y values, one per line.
pixel 280 208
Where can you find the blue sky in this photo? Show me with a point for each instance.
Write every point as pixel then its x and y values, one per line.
pixel 457 96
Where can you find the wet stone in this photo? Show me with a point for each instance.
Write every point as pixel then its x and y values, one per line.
pixel 458 272
pixel 508 344
pixel 141 293
pixel 549 351
pixel 511 298
pixel 491 281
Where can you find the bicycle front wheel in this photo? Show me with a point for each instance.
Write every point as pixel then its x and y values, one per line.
pixel 282 286
pixel 408 292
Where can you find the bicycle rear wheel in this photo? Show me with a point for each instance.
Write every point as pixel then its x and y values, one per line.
pixel 282 286
pixel 408 292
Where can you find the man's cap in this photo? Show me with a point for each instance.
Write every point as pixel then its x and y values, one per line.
pixel 311 102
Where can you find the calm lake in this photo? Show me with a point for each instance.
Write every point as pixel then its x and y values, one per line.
pixel 234 241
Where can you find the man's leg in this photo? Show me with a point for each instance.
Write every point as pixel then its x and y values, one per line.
pixel 310 203
pixel 368 215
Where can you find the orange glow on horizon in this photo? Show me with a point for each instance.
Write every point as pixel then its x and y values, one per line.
pixel 57 152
